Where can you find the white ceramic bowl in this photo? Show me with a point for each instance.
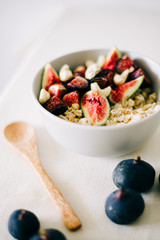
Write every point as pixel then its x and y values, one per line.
pixel 99 140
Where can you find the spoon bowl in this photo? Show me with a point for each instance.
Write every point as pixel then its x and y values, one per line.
pixel 18 132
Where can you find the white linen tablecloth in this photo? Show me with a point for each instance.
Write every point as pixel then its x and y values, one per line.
pixel 84 181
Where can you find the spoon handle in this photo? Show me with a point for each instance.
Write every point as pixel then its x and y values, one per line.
pixel 70 218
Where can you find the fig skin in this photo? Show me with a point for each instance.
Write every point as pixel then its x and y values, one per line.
pixel 48 234
pixel 135 174
pixel 22 224
pixel 124 206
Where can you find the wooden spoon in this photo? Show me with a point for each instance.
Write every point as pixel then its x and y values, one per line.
pixel 22 136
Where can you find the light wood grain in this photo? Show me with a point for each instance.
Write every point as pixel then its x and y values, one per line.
pixel 22 136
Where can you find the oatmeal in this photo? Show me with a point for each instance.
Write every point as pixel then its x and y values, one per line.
pixel 142 104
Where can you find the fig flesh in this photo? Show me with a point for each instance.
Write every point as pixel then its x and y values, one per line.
pixel 135 174
pixel 112 59
pixel 49 77
pixel 125 91
pixel 95 107
pixel 124 206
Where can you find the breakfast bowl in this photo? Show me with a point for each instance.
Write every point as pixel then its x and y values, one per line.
pixel 99 141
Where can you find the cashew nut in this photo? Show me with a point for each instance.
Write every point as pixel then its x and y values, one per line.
pixel 120 79
pixel 44 96
pixel 105 92
pixel 89 62
pixel 91 71
pixel 100 61
pixel 131 69
pixel 65 73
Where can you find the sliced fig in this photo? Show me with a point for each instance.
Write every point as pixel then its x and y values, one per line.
pixel 55 105
pixel 95 107
pixel 140 72
pixel 124 63
pixel 78 83
pixel 125 90
pixel 112 59
pixel 49 77
pixel 71 98
pixel 80 69
pixel 57 89
pixel 104 78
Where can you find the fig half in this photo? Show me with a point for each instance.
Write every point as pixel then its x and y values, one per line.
pixel 95 107
pixel 125 90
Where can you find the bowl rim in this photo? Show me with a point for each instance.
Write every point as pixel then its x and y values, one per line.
pixel 90 127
